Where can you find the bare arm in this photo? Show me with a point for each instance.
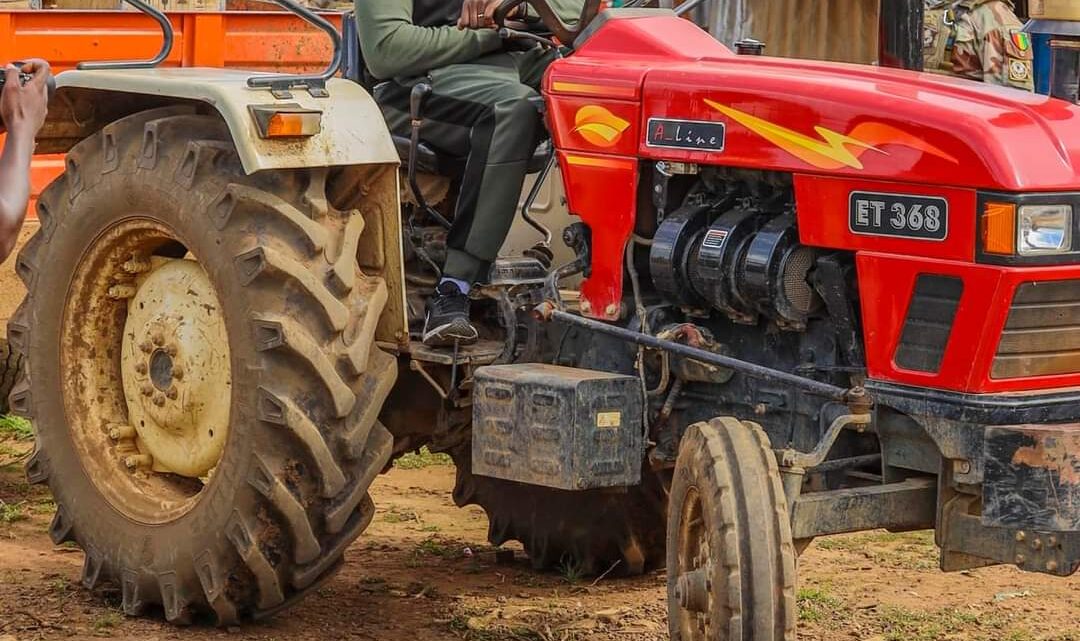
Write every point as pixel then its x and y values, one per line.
pixel 23 110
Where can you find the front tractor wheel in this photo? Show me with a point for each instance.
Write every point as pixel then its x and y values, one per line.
pixel 201 370
pixel 730 557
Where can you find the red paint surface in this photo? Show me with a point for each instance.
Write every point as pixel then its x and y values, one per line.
pixel 856 128
pixel 886 282
pixel 601 190
pixel 824 222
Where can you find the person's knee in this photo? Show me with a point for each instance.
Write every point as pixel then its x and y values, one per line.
pixel 520 107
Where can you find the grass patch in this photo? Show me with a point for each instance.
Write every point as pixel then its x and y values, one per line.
pixel 422 458
pixel 11 512
pixel 902 624
pixel 431 546
pixel 817 604
pixel 905 550
pixel 106 622
pixel 399 515
pixel 16 427
pixel 571 571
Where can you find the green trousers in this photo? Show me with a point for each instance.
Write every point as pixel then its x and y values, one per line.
pixel 479 111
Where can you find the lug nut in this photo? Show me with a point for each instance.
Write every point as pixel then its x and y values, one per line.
pixel 119 292
pixel 120 431
pixel 136 461
pixel 172 393
pixel 136 265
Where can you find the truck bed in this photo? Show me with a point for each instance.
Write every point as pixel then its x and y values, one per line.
pixel 255 40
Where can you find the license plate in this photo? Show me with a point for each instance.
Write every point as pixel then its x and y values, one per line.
pixel 685 134
pixel 900 215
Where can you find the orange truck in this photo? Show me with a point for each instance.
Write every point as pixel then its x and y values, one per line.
pixel 254 40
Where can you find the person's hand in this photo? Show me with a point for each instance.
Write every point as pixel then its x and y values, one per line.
pixel 480 14
pixel 23 107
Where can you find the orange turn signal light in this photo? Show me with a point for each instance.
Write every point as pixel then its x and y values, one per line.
pixel 286 121
pixel 999 228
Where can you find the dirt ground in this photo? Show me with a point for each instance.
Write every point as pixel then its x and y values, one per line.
pixel 423 572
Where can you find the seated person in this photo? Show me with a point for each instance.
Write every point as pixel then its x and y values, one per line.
pixel 479 109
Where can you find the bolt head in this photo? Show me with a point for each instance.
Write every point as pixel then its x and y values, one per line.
pixel 1036 544
pixel 1020 558
pixel 1051 566
pixel 963 467
pixel 1051 541
pixel 586 306
pixel 1020 536
pixel 611 310
pixel 131 463
pixel 121 291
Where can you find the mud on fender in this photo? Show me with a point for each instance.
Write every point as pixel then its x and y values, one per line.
pixel 1032 477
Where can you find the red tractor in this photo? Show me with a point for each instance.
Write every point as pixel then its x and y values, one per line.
pixel 813 299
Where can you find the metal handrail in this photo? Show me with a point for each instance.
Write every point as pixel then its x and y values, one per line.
pixel 166 45
pixel 315 84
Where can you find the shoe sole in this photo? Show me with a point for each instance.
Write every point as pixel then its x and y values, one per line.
pixel 447 335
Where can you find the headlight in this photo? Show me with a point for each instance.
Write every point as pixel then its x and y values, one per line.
pixel 1044 229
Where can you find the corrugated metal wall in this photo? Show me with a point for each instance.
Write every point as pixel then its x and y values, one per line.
pixel 844 30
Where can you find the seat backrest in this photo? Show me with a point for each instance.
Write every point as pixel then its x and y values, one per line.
pixel 352 66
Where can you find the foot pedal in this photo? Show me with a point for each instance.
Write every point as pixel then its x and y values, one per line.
pixel 560 427
pixel 481 352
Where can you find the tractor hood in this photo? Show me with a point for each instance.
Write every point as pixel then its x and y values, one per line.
pixel 824 118
pixel 875 123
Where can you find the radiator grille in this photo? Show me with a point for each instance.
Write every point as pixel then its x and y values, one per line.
pixel 1042 333
pixel 929 322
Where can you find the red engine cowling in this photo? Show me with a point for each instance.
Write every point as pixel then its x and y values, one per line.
pixel 859 143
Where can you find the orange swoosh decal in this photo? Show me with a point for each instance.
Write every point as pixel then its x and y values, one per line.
pixel 832 150
pixel 599 126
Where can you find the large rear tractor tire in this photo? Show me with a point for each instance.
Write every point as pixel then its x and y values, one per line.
pixel 201 370
pixel 589 532
pixel 10 367
pixel 730 558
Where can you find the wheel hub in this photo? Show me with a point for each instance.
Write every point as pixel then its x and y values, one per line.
pixel 175 368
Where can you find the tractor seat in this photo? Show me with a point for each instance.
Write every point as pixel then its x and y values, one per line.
pixel 430 161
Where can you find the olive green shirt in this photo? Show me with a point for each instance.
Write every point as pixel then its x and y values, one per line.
pixel 394 47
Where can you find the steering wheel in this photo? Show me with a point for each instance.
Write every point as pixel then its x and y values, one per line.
pixel 551 20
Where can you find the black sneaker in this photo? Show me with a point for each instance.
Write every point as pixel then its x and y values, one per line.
pixel 447 318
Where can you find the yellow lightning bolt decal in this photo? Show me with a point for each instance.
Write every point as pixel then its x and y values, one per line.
pixel 829 152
